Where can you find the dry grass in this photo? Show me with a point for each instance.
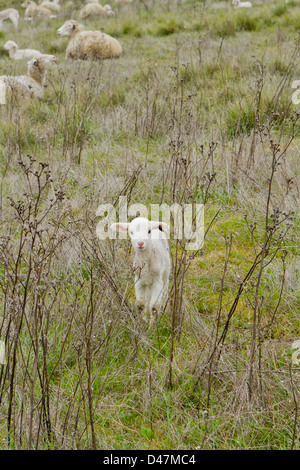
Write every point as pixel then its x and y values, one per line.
pixel 198 110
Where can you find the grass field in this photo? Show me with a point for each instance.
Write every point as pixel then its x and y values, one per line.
pixel 199 109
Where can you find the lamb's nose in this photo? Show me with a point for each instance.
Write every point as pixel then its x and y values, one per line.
pixel 141 244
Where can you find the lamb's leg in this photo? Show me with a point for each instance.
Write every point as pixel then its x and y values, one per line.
pixel 155 298
pixel 140 300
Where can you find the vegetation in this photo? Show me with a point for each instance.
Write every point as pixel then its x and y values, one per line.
pixel 198 110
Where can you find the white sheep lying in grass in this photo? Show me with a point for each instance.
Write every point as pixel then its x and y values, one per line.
pixel 88 45
pixel 20 54
pixel 34 11
pixel 10 14
pixel 151 262
pixel 239 4
pixel 32 84
pixel 95 9
pixel 108 7
pixel 51 5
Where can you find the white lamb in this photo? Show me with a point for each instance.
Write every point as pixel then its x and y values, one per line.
pixel 10 14
pixel 20 54
pixel 32 84
pixel 34 11
pixel 151 262
pixel 239 4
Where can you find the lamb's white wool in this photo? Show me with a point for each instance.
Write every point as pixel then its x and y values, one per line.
pixel 34 11
pixel 32 84
pixel 239 4
pixel 151 261
pixel 10 14
pixel 20 54
pixel 88 45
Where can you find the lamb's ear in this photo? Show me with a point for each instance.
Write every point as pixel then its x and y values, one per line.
pixel 119 227
pixel 161 226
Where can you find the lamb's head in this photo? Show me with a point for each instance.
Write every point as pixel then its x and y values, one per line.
pixel 141 231
pixel 10 45
pixel 45 61
pixel 69 28
pixel 235 3
pixel 38 67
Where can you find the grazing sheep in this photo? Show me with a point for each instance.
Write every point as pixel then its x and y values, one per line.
pixel 32 84
pixel 51 5
pixel 239 4
pixel 151 262
pixel 88 45
pixel 34 11
pixel 95 9
pixel 10 14
pixel 20 54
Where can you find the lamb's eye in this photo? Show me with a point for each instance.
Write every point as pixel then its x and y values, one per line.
pixel 149 231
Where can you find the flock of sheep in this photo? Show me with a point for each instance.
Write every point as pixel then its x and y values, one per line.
pixel 148 238
pixel 83 45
